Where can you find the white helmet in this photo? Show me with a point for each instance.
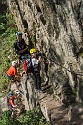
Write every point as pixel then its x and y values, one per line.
pixel 14 63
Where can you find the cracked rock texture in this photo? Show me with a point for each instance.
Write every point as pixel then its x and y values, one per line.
pixel 55 28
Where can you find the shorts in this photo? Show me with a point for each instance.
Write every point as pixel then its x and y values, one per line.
pixel 11 108
pixel 12 78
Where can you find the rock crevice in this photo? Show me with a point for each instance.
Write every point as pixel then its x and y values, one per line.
pixel 57 27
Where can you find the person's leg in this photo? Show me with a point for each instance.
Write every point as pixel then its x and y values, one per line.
pixel 12 113
pixel 18 111
pixel 9 86
pixel 35 80
pixel 38 81
pixel 14 80
pixel 12 110
pixel 11 79
pixel 16 85
pixel 22 58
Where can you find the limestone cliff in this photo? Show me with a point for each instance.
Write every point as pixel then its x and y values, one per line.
pixel 55 28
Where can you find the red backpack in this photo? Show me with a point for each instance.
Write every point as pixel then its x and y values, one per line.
pixel 27 64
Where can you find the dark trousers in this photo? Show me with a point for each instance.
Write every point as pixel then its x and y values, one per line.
pixel 37 81
pixel 12 78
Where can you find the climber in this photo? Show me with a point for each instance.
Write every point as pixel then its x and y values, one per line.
pixel 36 69
pixel 21 48
pixel 12 74
pixel 11 103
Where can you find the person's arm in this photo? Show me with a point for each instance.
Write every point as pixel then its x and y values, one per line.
pixel 39 59
pixel 16 48
pixel 26 47
pixel 21 51
pixel 12 103
pixel 17 76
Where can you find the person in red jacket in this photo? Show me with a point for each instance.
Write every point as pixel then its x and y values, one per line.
pixel 12 105
pixel 12 73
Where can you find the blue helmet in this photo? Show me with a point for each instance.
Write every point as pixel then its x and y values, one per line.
pixel 18 33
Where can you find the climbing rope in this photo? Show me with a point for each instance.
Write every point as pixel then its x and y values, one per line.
pixel 80 74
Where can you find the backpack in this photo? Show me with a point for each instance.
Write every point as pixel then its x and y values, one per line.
pixel 17 47
pixel 27 64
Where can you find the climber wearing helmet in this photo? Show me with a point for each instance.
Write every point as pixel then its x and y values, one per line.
pixel 11 103
pixel 12 73
pixel 36 69
pixel 21 48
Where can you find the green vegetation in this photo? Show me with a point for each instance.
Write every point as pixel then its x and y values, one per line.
pixel 33 38
pixel 7 38
pixel 32 117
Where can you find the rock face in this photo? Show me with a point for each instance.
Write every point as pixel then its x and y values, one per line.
pixel 55 28
pixel 3 104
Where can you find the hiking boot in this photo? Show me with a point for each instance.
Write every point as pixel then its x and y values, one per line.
pixel 19 92
pixel 40 91
pixel 36 90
